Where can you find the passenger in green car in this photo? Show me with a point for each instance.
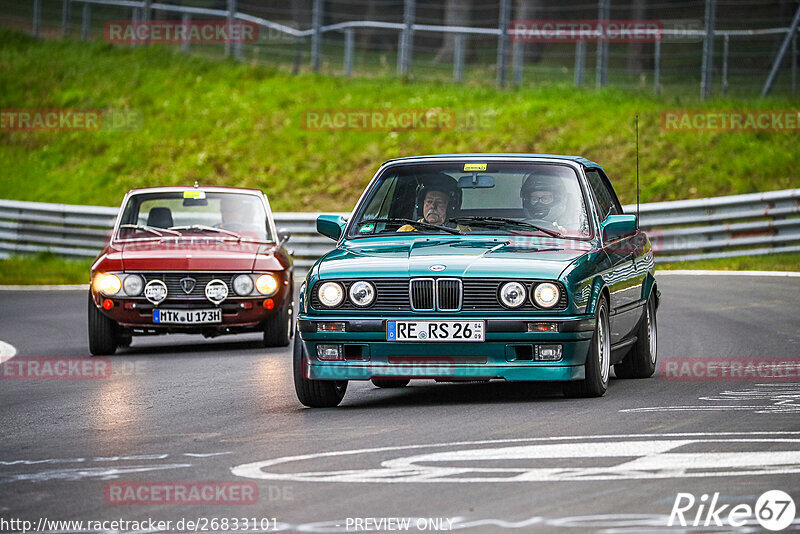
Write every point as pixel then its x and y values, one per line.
pixel 438 200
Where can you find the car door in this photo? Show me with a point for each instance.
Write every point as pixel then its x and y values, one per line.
pixel 624 280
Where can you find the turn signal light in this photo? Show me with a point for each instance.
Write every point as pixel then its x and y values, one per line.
pixel 108 304
pixel 331 327
pixel 542 327
pixel 269 304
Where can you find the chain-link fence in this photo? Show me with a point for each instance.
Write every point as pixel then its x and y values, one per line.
pixel 730 47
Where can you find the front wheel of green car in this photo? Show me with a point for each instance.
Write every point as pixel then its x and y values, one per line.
pixel 641 360
pixel 597 361
pixel 314 393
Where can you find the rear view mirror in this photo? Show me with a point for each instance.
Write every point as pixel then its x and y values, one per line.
pixel 283 236
pixel 476 181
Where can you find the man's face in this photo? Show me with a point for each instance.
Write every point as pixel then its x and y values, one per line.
pixel 543 197
pixel 434 207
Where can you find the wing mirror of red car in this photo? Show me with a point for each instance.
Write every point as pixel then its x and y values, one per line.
pixel 331 226
pixel 283 236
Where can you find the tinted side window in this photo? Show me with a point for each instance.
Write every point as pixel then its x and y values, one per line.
pixel 603 196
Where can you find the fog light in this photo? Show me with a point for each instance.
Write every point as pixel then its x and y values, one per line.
pixel 329 352
pixel 331 327
pixel 542 327
pixel 547 353
pixel 108 304
pixel 269 304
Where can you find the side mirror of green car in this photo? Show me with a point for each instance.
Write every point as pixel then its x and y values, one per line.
pixel 331 226
pixel 618 226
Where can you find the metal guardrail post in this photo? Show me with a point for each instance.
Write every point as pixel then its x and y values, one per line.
pixel 502 41
pixel 316 36
pixel 708 49
pixel 407 41
pixel 147 16
pixel 86 21
pixel 794 64
pixel 726 44
pixel 792 33
pixel 231 8
pixel 37 18
pixel 349 41
pixel 186 21
pixel 603 13
pixel 66 15
pixel 580 62
pixel 458 57
pixel 517 55
pixel 657 67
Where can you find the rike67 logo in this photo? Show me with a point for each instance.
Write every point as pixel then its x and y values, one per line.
pixel 774 510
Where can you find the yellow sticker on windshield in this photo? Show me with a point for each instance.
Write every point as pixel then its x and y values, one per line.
pixel 474 166
pixel 194 194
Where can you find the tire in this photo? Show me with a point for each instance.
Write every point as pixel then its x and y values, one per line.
pixel 314 393
pixel 102 332
pixel 279 328
pixel 124 342
pixel 641 360
pixel 390 383
pixel 597 361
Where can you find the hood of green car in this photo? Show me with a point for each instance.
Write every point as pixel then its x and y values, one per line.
pixel 459 256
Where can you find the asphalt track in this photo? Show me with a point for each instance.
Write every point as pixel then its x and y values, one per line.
pixel 480 457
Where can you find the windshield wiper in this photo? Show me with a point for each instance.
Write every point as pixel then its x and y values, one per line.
pixel 205 228
pixel 412 222
pixel 157 231
pixel 498 221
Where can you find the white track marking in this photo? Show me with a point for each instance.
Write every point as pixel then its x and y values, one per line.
pixel 688 272
pixel 646 456
pixel 103 473
pixel 783 398
pixel 73 287
pixel 7 351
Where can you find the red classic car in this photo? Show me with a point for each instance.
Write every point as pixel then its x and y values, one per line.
pixel 205 260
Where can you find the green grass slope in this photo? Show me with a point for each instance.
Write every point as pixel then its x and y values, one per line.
pixel 223 123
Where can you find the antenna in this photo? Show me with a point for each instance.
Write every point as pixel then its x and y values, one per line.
pixel 637 171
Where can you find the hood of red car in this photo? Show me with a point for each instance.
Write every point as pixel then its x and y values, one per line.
pixel 190 255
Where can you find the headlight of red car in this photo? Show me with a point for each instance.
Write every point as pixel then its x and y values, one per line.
pixel 106 283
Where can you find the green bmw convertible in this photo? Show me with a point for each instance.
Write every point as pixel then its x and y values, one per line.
pixel 519 267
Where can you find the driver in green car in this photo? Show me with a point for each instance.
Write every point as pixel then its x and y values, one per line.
pixel 438 200
pixel 544 199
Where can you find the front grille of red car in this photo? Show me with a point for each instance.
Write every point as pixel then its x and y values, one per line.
pixel 173 282
pixel 478 294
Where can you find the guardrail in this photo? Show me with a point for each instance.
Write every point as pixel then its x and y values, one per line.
pixel 739 225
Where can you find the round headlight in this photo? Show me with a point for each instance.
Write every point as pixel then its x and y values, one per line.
pixel 266 284
pixel 362 293
pixel 330 294
pixel 133 285
pixel 243 285
pixel 109 284
pixel 546 295
pixel 512 295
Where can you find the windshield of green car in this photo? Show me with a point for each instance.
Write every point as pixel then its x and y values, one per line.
pixel 475 198
pixel 193 213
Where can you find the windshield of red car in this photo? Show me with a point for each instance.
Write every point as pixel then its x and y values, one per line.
pixel 487 198
pixel 194 212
